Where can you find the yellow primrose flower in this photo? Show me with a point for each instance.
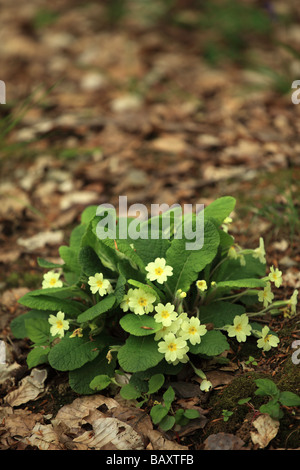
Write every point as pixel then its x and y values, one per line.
pixel 158 271
pixel 240 328
pixel 192 330
pixel 124 305
pixel 260 251
pixel 205 385
pixel 100 285
pixel 59 324
pixel 275 276
pixel 165 314
pixel 267 340
pixel 201 284
pixel 51 279
pixel 140 302
pixel 266 296
pixel 173 328
pixel 173 348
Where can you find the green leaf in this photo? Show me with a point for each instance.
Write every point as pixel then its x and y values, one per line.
pixel 101 307
pixel 157 413
pixel 38 330
pixel 100 382
pixel 88 214
pixel 43 263
pixel 150 249
pixel 212 343
pixel 191 414
pixel 17 325
pixel 38 355
pixel 155 383
pixel 91 264
pixel 130 392
pixel 220 209
pixel 72 353
pixel 139 354
pixel 188 263
pixel 139 325
pixel 220 313
pixel 169 397
pixel 267 387
pixel 47 302
pixel 273 409
pixel 231 269
pixel 167 423
pixel 242 283
pixel 289 399
pixel 80 379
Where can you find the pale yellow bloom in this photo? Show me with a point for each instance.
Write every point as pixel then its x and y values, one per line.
pixel 51 279
pixel 192 330
pixel 201 284
pixel 165 314
pixel 275 276
pixel 267 340
pixel 173 348
pixel 59 324
pixel 99 285
pixel 158 270
pixel 141 302
pixel 266 296
pixel 240 328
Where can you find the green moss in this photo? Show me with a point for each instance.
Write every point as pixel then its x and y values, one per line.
pixel 241 387
pixel 288 379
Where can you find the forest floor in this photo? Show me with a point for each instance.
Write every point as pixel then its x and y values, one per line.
pixel 98 109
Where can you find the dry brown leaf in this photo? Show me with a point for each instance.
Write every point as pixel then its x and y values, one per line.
pixel 30 388
pixel 19 423
pixel 159 442
pixel 7 371
pixel 77 413
pixel 111 431
pixel 267 429
pixel 44 437
pixel 223 441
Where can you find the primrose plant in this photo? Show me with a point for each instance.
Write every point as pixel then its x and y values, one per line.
pixel 146 307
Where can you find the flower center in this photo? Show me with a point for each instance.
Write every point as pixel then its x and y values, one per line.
pixel 238 327
pixel 267 338
pixel 52 281
pixel 172 347
pixel 165 314
pixel 99 283
pixel 142 302
pixel 159 271
pixel 59 324
pixel 192 330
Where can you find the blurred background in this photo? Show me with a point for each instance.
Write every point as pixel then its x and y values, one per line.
pixel 175 101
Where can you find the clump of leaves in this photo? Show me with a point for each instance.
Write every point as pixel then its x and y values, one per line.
pixel 141 307
pixel 267 388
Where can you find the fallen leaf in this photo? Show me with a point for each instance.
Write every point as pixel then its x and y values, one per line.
pixel 223 441
pixel 111 431
pixel 75 414
pixel 267 429
pixel 30 388
pixel 43 437
pixel 159 442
